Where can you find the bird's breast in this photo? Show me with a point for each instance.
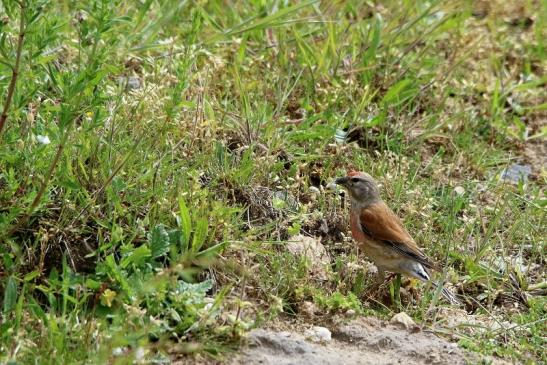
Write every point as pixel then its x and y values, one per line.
pixel 355 226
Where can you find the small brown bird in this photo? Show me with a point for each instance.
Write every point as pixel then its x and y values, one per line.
pixel 380 233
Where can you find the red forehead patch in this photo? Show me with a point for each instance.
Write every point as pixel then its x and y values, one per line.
pixel 353 173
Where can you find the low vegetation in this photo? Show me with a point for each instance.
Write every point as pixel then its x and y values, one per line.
pixel 156 158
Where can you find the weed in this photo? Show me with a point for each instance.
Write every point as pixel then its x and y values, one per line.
pixel 156 157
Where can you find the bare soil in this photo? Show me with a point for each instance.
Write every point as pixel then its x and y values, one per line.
pixel 362 341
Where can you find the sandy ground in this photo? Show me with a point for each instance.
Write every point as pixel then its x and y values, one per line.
pixel 362 341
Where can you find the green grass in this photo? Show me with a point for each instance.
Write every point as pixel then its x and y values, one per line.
pixel 190 140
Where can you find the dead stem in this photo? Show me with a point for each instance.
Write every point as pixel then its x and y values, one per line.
pixel 15 69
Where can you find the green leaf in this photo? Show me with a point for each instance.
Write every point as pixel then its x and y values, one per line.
pixel 255 23
pixel 92 284
pixel 138 257
pixel 69 184
pixel 117 274
pixel 200 235
pixel 31 275
pixel 377 119
pixel 19 307
pixel 211 251
pixel 36 309
pixel 10 295
pixel 158 241
pixel 370 53
pixel 185 224
pixel 195 290
pixel 118 184
pixel 400 92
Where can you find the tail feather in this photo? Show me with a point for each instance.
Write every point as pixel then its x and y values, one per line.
pixel 418 271
pixel 447 294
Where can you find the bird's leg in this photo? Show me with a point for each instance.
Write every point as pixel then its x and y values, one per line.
pixel 377 281
pixel 380 277
pixel 397 291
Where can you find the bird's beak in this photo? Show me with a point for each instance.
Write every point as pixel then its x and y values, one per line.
pixel 341 181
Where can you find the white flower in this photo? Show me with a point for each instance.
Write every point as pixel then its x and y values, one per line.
pixel 43 139
pixel 139 353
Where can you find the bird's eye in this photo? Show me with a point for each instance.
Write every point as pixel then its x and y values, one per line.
pixel 354 179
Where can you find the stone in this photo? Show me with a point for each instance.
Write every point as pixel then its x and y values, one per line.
pixel 403 319
pixel 130 82
pixel 318 334
pixel 516 173
pixel 133 83
pixel 308 309
pixel 313 250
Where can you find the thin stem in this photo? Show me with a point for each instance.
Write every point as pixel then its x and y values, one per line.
pixel 15 69
pixel 109 179
pixel 24 219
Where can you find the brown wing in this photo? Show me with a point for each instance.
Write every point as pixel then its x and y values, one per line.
pixel 381 224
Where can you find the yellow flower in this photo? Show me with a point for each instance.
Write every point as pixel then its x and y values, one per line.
pixel 107 297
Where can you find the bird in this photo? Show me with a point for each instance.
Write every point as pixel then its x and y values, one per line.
pixel 381 235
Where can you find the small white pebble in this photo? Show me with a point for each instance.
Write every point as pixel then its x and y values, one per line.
pixel 318 334
pixel 459 190
pixel 314 190
pixel 43 139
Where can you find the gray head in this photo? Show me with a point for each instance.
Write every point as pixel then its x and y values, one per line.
pixel 361 187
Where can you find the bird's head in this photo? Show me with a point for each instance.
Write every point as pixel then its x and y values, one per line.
pixel 362 188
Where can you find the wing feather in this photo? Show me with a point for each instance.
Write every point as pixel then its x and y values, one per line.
pixel 382 225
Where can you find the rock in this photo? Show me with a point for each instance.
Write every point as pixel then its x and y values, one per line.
pixel 502 264
pixel 308 309
pixel 279 341
pixel 313 250
pixel 283 200
pixel 515 173
pixel 318 334
pixel 323 227
pixel 403 319
pixel 133 83
pixel 459 190
pixel 314 190
pixel 474 323
pixel 130 82
pixel 350 313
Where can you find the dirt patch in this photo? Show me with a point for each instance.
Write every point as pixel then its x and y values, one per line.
pixel 362 341
pixel 536 154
